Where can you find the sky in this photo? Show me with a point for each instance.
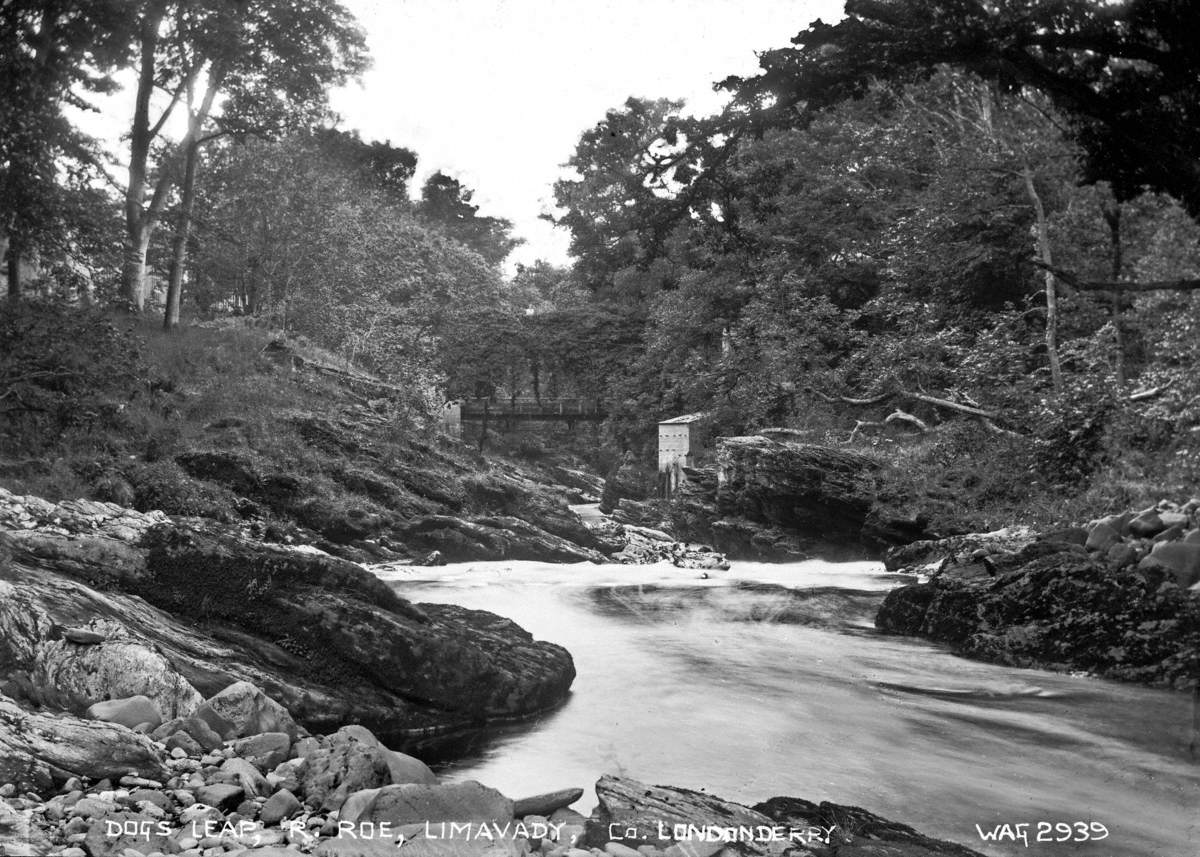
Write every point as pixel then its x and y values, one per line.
pixel 497 92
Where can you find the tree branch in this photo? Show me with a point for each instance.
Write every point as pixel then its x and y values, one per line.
pixel 1150 393
pixel 902 416
pixel 872 400
pixel 1183 285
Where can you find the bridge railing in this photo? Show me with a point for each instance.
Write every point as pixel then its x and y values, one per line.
pixel 531 406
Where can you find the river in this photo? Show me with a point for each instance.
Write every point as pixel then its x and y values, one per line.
pixel 771 680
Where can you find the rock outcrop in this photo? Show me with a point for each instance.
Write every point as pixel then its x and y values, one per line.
pixel 783 499
pixel 37 748
pixel 492 537
pixel 679 822
pixel 179 609
pixel 392 510
pixel 1112 598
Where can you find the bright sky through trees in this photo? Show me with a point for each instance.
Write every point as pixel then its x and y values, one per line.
pixel 497 92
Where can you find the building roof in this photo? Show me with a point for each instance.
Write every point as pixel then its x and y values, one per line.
pixel 686 418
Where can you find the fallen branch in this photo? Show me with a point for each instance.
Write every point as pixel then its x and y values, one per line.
pixel 995 429
pixel 859 425
pixel 989 417
pixel 1143 395
pixel 954 406
pixel 901 416
pixel 848 400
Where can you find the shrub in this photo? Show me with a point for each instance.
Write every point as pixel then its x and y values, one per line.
pixel 63 369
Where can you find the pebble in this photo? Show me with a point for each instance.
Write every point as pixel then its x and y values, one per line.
pixel 149 808
pixel 616 849
pixel 179 753
pixel 140 782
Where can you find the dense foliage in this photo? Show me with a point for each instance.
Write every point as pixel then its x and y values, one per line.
pixel 942 227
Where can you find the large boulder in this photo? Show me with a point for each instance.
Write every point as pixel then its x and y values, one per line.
pixel 545 804
pixel 353 759
pixel 114 832
pixel 800 486
pixel 854 831
pixel 264 750
pixel 493 537
pixel 193 607
pixel 414 802
pixel 20 835
pixel 782 499
pixel 1179 560
pixel 36 748
pixel 101 658
pixel 679 822
pixel 249 711
pixel 1052 606
pixel 640 814
pixel 129 712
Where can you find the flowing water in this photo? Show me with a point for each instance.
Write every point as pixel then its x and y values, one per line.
pixel 771 680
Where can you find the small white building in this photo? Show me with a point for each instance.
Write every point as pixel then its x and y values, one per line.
pixel 680 444
pixel 452 418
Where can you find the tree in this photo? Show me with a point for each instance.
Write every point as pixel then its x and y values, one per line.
pixel 52 54
pixel 1124 73
pixel 271 61
pixel 302 235
pixel 446 203
pixel 383 167
pixel 277 60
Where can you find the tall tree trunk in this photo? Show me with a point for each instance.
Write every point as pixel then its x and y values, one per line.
pixel 1112 217
pixel 13 270
pixel 137 232
pixel 140 216
pixel 1043 231
pixel 183 226
pixel 179 242
pixel 4 245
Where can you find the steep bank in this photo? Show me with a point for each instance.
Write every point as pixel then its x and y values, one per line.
pixel 102 602
pixel 281 440
pixel 774 497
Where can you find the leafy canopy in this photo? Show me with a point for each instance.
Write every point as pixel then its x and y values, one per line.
pixel 1125 74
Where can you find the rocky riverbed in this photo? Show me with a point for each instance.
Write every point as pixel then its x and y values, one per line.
pixel 240 776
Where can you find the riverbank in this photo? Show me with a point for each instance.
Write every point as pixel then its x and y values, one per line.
pixel 1117 597
pixel 219 784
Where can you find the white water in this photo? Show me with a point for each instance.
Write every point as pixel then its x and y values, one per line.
pixel 752 691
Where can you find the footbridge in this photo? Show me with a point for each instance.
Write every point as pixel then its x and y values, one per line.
pixel 509 411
